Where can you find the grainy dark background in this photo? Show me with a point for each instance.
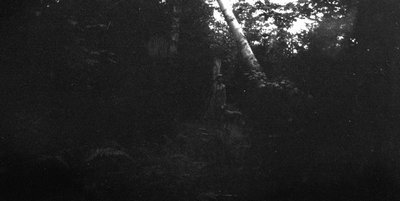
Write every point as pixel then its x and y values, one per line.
pixel 95 108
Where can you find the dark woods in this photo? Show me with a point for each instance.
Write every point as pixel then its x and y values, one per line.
pixel 82 64
pixel 96 105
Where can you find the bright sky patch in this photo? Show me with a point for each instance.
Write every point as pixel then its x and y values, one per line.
pixel 298 26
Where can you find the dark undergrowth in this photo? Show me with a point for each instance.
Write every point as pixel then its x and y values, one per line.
pixel 206 163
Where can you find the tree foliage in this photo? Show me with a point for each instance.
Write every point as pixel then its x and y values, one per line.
pixel 87 80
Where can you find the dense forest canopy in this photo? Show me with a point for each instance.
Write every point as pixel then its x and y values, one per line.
pixel 108 100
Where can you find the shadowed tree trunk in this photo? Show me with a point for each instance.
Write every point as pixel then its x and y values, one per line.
pixel 216 67
pixel 176 10
pixel 395 81
pixel 253 67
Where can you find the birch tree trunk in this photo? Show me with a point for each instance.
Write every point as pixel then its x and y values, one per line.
pixel 253 67
pixel 176 10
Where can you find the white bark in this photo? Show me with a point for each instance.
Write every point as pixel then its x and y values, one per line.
pixel 245 49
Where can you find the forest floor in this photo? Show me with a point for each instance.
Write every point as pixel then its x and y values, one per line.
pixel 201 162
pixel 208 163
pixel 210 159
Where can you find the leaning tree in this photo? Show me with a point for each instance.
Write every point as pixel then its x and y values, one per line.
pixel 253 68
